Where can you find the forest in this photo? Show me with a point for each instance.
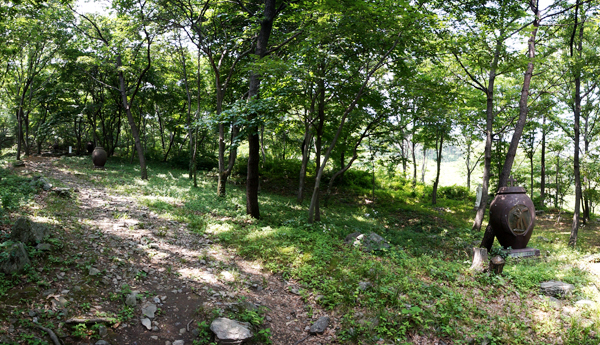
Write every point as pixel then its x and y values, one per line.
pixel 297 163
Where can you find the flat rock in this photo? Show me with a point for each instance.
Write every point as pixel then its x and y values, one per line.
pixel 17 257
pixel 229 331
pixel 556 288
pixel 178 342
pixel 320 326
pixel 93 271
pixel 148 309
pixel 147 323
pixel 102 342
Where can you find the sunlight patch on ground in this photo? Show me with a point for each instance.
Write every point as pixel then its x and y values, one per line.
pixel 215 228
pixel 261 233
pixel 198 275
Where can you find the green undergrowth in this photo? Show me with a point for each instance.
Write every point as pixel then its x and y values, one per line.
pixel 421 285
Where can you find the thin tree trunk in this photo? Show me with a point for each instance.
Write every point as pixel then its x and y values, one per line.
pixel 576 130
pixel 543 165
pixel 134 130
pixel 414 161
pixel 440 141
pixel 424 164
pixel 487 161
pixel 488 237
pixel 305 159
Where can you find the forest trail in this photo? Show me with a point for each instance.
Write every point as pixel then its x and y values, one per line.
pixel 113 246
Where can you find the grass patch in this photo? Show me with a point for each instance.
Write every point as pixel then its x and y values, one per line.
pixel 420 287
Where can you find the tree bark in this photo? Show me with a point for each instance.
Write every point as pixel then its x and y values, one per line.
pixel 252 179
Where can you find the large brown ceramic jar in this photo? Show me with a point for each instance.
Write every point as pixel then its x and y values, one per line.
pixel 99 157
pixel 512 217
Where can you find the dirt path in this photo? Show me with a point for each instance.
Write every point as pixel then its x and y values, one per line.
pixel 112 246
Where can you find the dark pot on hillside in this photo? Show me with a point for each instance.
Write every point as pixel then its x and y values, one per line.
pixel 99 157
pixel 90 147
pixel 512 216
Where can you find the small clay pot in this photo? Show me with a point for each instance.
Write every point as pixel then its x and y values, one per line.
pixel 99 157
pixel 90 147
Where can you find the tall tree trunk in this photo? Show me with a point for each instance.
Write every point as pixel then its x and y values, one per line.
pixel 315 215
pixel 576 130
pixel 134 130
pixel 543 165
pixel 192 145
pixel 305 159
pixel 487 160
pixel 488 236
pixel 252 180
pixel 439 144
pixel 19 131
pixel 414 161
pixel 424 164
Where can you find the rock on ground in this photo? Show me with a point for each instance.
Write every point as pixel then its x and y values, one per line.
pixel 320 326
pixel 28 232
pixel 13 258
pixel 230 331
pixel 556 288
pixel 367 243
pixel 148 309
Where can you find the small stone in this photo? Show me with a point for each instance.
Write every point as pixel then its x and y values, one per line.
pixel 93 271
pixel 102 342
pixel 155 329
pixel 154 337
pixel 364 285
pixel 178 342
pixel 182 331
pixel 102 331
pixel 131 300
pixel 195 332
pixel 156 300
pixel 148 309
pixel 32 313
pixel 167 342
pixel 268 318
pixel 307 328
pixel 147 323
pixel 320 326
